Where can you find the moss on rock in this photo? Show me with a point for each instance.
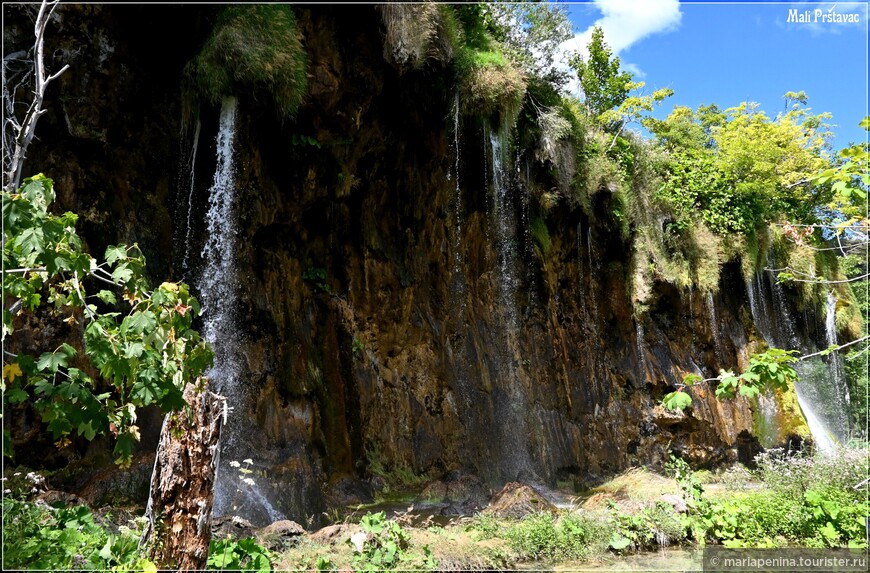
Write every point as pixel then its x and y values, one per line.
pixel 252 47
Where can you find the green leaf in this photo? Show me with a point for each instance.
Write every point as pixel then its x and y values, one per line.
pixel 31 240
pixel 139 322
pixel 122 274
pixel 107 296
pixel 52 361
pixel 618 542
pixel 86 429
pixel 16 395
pixel 748 391
pixel 691 379
pixel 677 400
pixel 115 253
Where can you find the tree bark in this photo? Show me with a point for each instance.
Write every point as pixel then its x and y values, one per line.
pixel 178 531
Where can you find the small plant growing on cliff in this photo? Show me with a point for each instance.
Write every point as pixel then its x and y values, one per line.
pixel 317 277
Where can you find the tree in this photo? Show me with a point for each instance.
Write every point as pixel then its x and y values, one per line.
pixel 845 183
pixel 18 129
pixel 137 344
pixel 740 169
pixel 530 33
pixel 604 86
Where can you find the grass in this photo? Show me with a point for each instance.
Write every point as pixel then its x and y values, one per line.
pixel 252 47
pixel 489 84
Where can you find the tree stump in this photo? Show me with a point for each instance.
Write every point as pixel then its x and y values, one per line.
pixel 178 531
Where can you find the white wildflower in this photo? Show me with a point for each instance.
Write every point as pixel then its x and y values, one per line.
pixel 248 461
pixel 235 464
pixel 248 481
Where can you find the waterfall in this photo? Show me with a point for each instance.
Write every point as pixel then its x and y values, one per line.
pixel 821 400
pixel 458 276
pixel 714 328
pixel 504 219
pixel 218 288
pixel 593 299
pixel 509 396
pixel 838 379
pixel 219 291
pixel 185 261
pixel 641 353
pixel 831 339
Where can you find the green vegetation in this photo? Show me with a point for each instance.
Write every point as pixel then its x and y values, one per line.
pixel 791 499
pixel 253 48
pixel 604 85
pixel 139 340
pixel 770 370
pixel 739 169
pixel 59 538
pixel 239 555
pixel 544 536
pixel 56 537
pixel 541 234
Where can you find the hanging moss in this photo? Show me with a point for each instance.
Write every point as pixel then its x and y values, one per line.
pixel 490 85
pixel 541 235
pixel 252 48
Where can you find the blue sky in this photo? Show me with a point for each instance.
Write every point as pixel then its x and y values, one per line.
pixel 726 53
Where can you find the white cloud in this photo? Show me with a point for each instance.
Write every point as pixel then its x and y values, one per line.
pixel 624 23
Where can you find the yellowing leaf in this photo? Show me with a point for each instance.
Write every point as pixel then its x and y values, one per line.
pixel 11 371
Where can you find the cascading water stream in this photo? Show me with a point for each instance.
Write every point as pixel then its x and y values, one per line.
pixel 185 261
pixel 592 281
pixel 819 397
pixel 219 291
pixel 510 398
pixel 641 353
pixel 831 339
pixel 714 328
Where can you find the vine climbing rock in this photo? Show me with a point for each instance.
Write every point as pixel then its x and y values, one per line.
pixel 177 533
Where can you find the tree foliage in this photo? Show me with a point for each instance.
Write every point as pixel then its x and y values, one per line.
pixel 530 33
pixel 739 169
pixel 139 345
pixel 604 86
pixel 769 370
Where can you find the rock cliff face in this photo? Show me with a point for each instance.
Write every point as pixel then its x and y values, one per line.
pixel 388 320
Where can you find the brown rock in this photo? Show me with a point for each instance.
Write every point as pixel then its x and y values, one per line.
pixel 517 500
pixel 333 534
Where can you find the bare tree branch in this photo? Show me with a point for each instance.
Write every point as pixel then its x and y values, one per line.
pixel 20 134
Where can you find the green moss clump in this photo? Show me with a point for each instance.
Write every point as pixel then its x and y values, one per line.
pixel 252 47
pixel 489 84
pixel 541 235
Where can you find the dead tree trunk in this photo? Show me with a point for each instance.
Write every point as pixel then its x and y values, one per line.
pixel 178 531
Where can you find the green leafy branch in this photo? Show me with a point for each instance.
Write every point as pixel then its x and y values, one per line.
pixel 139 340
pixel 771 369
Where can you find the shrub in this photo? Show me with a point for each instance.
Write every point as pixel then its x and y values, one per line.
pixel 545 536
pixel 55 538
pixel 239 555
pixel 795 473
pixel 252 47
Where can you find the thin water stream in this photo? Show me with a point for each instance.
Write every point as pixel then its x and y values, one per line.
pixel 218 285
